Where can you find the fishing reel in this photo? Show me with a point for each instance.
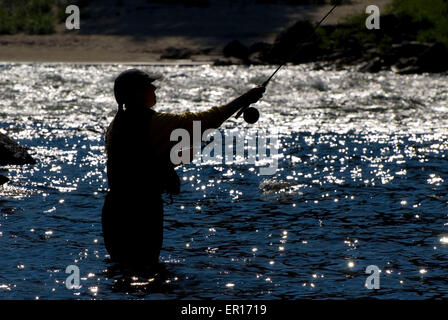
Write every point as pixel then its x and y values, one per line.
pixel 250 114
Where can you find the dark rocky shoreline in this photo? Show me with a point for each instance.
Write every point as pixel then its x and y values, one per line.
pixel 391 48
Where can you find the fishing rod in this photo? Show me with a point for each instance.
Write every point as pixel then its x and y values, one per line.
pixel 251 114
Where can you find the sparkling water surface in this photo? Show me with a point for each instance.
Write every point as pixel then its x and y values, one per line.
pixel 362 180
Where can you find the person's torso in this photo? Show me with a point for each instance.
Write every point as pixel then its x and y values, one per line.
pixel 133 165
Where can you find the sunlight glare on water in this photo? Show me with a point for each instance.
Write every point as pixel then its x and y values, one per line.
pixel 361 181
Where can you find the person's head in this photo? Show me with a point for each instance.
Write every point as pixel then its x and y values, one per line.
pixel 134 89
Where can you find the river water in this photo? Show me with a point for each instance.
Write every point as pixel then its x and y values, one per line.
pixel 361 180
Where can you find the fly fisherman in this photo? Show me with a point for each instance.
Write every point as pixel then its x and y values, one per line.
pixel 139 168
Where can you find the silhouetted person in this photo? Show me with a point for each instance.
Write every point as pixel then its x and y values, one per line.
pixel 139 169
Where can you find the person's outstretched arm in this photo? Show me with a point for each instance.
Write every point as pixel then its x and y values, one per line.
pixel 164 123
pixel 212 118
pixel 215 116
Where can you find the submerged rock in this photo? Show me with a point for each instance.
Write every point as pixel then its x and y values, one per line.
pixel 11 153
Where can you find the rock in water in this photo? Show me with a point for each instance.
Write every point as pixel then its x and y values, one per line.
pixel 12 153
pixel 3 179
